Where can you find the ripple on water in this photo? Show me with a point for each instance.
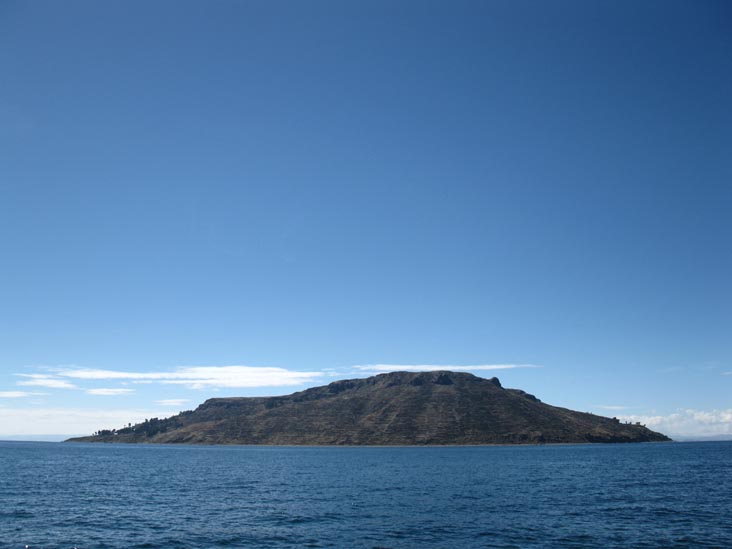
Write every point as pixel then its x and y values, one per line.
pixel 122 497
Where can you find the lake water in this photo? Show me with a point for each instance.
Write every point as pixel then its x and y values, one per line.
pixel 56 495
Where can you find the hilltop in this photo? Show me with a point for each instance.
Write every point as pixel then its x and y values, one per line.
pixel 398 408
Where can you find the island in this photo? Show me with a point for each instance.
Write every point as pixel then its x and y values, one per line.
pixel 397 408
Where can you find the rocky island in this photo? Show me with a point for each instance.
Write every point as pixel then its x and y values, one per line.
pixel 398 408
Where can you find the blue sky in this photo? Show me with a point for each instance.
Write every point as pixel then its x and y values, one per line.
pixel 204 199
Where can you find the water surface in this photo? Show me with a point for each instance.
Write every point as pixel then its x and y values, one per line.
pixel 87 496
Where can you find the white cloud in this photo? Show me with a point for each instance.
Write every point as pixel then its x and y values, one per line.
pixel 43 380
pixel 66 421
pixel 199 377
pixel 17 394
pixel 687 422
pixel 109 392
pixel 172 401
pixel 237 376
pixel 611 407
pixel 436 367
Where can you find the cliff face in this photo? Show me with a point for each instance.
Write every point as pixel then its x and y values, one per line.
pixel 398 408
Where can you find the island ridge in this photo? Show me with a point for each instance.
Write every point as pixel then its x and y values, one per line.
pixel 398 408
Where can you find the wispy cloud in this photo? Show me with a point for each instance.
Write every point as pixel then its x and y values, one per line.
pixel 109 392
pixel 611 407
pixel 64 421
pixel 172 401
pixel 17 394
pixel 44 380
pixel 436 367
pixel 672 370
pixel 696 367
pixel 687 422
pixel 215 377
pixel 200 377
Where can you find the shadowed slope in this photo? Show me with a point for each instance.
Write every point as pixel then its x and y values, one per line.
pixel 398 408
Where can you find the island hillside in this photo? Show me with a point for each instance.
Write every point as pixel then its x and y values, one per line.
pixel 398 408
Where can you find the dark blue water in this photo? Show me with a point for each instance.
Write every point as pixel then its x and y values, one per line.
pixel 128 496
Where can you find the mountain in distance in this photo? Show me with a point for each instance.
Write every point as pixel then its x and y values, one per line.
pixel 397 408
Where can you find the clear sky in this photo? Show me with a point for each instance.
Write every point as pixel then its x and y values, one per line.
pixel 204 199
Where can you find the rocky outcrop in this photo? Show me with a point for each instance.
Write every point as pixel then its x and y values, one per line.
pixel 398 408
